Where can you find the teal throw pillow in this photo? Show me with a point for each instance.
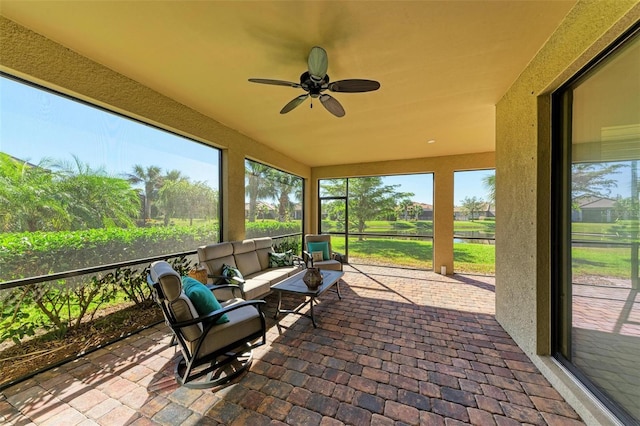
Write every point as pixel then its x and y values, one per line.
pixel 202 298
pixel 281 259
pixel 320 246
pixel 232 272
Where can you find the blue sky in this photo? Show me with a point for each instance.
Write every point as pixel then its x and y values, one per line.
pixel 36 124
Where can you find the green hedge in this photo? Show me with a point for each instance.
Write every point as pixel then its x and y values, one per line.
pixel 41 253
pixel 271 228
pixel 31 254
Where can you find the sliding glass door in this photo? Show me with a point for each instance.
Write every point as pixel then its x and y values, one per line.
pixel 596 227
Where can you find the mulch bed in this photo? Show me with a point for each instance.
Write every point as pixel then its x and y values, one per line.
pixel 38 353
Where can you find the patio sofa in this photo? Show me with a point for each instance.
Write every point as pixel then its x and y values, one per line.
pixel 252 258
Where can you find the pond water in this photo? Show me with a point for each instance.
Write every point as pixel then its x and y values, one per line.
pixel 475 237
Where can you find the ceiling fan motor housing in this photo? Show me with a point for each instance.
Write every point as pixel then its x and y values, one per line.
pixel 312 85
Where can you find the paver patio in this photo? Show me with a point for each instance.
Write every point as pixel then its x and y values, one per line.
pixel 401 347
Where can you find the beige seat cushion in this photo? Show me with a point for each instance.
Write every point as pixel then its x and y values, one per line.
pixel 183 310
pixel 256 288
pixel 246 257
pixel 216 255
pixel 328 264
pixel 263 248
pixel 275 275
pixel 247 318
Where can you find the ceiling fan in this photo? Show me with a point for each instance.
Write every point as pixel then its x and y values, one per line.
pixel 316 80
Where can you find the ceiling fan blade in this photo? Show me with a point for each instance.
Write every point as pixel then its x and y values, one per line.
pixel 332 105
pixel 274 82
pixel 294 103
pixel 318 63
pixel 354 86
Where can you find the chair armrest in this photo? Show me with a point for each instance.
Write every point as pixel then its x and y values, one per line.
pixel 299 260
pixel 337 256
pixel 221 278
pixel 233 287
pixel 307 259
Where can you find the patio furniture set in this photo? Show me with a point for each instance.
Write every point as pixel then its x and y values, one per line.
pixel 217 324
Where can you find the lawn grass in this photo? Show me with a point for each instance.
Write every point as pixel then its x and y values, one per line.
pixel 409 253
pixel 473 257
pixel 602 261
pixel 468 257
pixel 622 231
pixel 409 227
pixel 476 258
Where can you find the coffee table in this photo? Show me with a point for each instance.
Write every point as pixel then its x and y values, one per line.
pixel 295 285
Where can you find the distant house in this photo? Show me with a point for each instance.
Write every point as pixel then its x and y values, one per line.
pixel 297 212
pixel 487 210
pixel 593 210
pixel 427 211
pixel 27 163
pixel 263 210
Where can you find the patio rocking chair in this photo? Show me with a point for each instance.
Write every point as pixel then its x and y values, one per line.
pixel 215 346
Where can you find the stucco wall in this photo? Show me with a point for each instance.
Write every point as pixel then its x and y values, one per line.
pixel 39 60
pixel 523 179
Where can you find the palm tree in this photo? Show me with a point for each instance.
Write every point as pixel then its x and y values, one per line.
pixel 29 200
pixel 472 205
pixel 281 186
pixel 255 177
pixel 404 207
pixel 415 210
pixel 490 183
pixel 151 177
pixel 174 176
pixel 171 183
pixel 93 198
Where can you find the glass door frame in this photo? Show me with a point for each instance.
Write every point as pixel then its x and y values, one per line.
pixel 345 199
pixel 561 239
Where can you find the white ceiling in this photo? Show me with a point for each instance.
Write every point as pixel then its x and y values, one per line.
pixel 442 65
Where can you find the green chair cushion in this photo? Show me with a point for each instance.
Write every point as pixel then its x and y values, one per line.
pixel 319 246
pixel 202 298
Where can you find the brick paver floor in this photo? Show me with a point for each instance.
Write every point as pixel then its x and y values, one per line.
pixel 401 347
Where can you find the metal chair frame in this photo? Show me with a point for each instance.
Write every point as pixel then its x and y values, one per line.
pixel 187 370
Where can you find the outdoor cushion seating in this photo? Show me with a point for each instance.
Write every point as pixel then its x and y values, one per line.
pixel 215 346
pixel 253 259
pixel 321 243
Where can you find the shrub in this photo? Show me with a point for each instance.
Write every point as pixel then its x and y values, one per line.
pixel 270 228
pixel 63 305
pixel 42 253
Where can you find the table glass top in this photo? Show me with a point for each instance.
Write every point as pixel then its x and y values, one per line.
pixel 294 283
